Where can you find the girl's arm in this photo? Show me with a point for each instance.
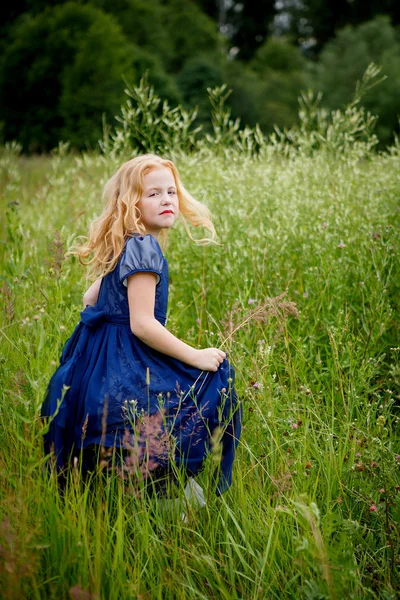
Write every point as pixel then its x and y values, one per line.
pixel 141 298
pixel 91 295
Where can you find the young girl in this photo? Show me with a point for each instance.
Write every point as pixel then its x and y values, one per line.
pixel 121 361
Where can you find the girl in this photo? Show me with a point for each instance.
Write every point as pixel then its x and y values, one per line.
pixel 121 364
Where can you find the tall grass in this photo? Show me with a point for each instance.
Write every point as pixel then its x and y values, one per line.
pixel 314 509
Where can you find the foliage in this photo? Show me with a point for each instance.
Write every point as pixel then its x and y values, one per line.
pixel 278 54
pixel 49 55
pixel 320 19
pixel 143 23
pixel 344 59
pixel 90 83
pixel 191 31
pixel 197 75
pixel 69 59
pixel 283 73
pixel 342 133
pixel 149 125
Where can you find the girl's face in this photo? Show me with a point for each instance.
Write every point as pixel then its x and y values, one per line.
pixel 159 203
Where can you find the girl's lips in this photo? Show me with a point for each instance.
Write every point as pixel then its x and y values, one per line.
pixel 167 212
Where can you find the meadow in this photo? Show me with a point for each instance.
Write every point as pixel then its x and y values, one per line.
pixel 302 292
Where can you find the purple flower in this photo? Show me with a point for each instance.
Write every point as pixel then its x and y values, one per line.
pixel 341 245
pixel 198 321
pixel 256 385
pixel 305 295
pixel 251 301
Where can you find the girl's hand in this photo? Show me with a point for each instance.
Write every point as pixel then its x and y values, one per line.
pixel 209 359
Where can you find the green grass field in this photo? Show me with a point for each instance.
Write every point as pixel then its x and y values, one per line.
pixel 314 510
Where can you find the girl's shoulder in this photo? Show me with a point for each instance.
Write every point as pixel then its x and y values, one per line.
pixel 143 242
pixel 141 253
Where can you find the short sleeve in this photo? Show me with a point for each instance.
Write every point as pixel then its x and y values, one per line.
pixel 141 254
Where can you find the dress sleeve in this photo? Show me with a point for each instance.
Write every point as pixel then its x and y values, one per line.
pixel 141 254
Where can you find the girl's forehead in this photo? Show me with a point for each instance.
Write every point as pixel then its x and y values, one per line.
pixel 159 176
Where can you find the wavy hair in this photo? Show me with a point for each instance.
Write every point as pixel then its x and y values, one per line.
pixel 121 215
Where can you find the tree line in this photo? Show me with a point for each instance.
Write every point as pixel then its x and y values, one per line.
pixel 65 64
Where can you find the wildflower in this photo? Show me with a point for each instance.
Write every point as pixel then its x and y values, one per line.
pixel 324 224
pixel 358 454
pixel 374 464
pixel 360 466
pixel 36 317
pixel 373 508
pixel 360 283
pixel 198 321
pixel 62 327
pixel 256 385
pixel 381 421
pixel 251 301
pixel 305 295
pixel 340 245
pixel 382 491
pixel 294 426
pixel 308 465
pixel 308 392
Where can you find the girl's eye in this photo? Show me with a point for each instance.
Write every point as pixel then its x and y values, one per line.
pixel 172 192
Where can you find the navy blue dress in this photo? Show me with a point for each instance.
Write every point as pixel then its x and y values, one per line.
pixel 107 376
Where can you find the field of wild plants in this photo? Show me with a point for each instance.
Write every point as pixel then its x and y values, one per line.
pixel 308 217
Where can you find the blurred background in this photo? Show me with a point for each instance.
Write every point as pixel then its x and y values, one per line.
pixel 64 65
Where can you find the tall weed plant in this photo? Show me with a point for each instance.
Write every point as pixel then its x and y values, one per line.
pixel 302 293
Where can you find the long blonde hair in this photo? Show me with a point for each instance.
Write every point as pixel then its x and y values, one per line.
pixel 121 215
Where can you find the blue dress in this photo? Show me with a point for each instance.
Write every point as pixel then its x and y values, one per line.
pixel 107 377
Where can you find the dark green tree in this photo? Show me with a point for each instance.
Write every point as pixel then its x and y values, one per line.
pixel 345 58
pixel 192 33
pixel 246 24
pixel 197 75
pixel 64 62
pixel 320 19
pixel 143 23
pixel 283 73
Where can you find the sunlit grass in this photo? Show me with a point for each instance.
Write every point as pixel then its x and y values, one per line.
pixel 314 508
